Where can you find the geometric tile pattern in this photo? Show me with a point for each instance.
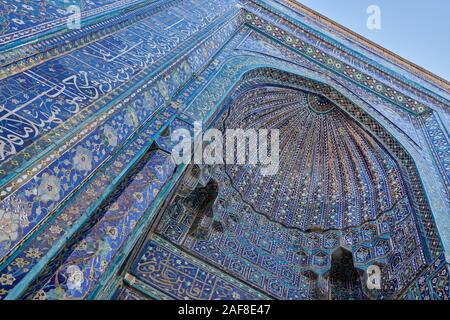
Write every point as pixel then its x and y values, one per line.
pixel 278 260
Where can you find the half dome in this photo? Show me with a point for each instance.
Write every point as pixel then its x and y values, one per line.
pixel 332 173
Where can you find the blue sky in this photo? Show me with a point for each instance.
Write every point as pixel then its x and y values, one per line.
pixel 418 30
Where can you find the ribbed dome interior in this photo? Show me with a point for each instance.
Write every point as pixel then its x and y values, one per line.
pixel 332 174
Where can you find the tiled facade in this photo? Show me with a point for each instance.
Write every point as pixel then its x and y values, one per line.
pixel 86 171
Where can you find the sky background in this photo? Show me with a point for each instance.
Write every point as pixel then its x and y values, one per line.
pixel 417 30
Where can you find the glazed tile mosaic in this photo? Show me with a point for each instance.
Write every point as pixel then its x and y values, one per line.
pixel 92 205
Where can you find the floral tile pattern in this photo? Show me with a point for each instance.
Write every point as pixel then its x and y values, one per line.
pixel 79 266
